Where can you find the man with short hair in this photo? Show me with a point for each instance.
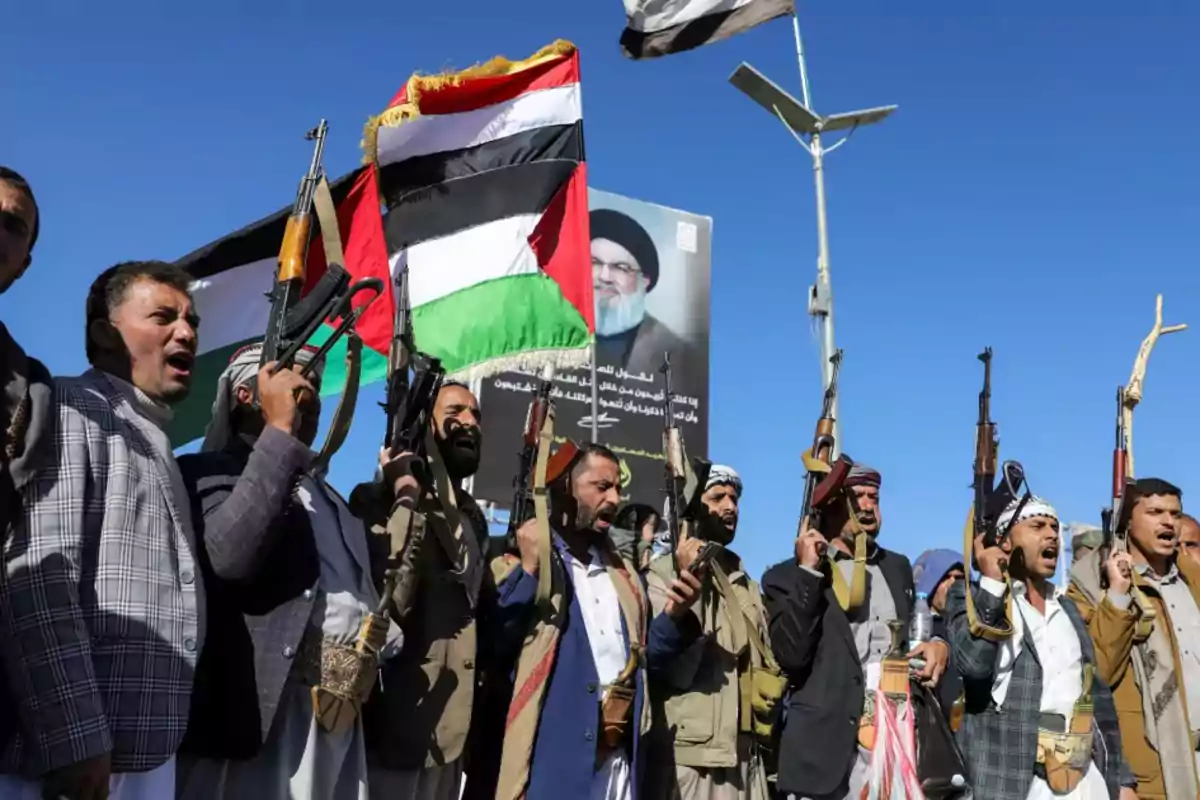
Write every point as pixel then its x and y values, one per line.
pixel 1144 618
pixel 418 719
pixel 103 608
pixel 26 437
pixel 1189 537
pixel 289 588
pixel 714 706
pixel 579 714
pixel 1039 720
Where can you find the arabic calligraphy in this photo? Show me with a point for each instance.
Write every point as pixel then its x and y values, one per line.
pixel 612 396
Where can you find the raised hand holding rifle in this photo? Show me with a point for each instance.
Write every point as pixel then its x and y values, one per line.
pixel 295 316
pixel 824 488
pixel 683 485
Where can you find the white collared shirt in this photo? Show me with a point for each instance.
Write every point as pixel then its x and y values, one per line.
pixel 601 611
pixel 1058 650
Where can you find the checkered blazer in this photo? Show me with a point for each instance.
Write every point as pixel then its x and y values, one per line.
pixel 99 610
pixel 1000 744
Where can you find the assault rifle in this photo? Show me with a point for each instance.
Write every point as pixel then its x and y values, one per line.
pixel 523 484
pixel 295 316
pixel 409 403
pixel 991 499
pixel 822 479
pixel 1115 518
pixel 683 480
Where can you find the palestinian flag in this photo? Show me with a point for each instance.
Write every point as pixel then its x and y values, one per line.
pixel 234 274
pixel 483 176
pixel 661 27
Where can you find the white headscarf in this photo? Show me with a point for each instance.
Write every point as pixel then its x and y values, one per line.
pixel 721 475
pixel 1036 507
pixel 242 367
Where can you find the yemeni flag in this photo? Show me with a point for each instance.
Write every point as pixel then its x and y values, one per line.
pixel 483 176
pixel 234 274
pixel 661 27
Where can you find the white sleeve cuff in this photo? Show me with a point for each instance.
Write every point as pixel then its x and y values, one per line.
pixel 992 586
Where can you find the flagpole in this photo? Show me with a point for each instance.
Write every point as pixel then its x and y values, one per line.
pixel 595 398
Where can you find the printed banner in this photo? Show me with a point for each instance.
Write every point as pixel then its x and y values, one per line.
pixel 651 274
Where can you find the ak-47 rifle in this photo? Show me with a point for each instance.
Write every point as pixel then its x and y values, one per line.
pixel 295 318
pixel 990 501
pixel 818 459
pixel 825 485
pixel 1115 518
pixel 409 407
pixel 683 479
pixel 524 484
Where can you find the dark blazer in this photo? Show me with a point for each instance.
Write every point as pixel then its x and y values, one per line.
pixel 260 571
pixel 813 642
pixel 950 686
pixel 1000 744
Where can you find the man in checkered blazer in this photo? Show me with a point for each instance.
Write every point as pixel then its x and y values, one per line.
pixel 1025 683
pixel 101 608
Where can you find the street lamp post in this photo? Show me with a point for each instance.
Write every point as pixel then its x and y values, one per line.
pixel 806 126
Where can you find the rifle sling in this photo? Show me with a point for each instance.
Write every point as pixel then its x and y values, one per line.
pixel 851 596
pixel 343 417
pixel 541 508
pixel 979 629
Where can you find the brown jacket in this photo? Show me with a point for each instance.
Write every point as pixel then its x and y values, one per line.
pixel 1112 632
pixel 420 713
pixel 699 699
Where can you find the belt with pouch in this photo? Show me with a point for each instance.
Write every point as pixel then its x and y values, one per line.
pixel 1064 749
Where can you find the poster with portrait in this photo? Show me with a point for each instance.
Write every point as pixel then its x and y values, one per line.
pixel 651 266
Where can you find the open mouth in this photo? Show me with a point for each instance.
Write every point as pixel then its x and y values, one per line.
pixel 1050 553
pixel 181 362
pixel 1166 537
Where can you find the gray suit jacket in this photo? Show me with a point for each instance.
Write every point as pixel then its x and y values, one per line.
pixel 1000 744
pixel 101 611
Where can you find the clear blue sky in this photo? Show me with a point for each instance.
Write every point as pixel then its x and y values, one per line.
pixel 1034 191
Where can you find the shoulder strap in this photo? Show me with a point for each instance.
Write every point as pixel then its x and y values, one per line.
pixel 748 619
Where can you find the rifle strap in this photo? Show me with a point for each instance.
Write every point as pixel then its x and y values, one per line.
pixel 343 417
pixel 850 597
pixel 541 507
pixel 979 629
pixel 459 545
pixel 331 234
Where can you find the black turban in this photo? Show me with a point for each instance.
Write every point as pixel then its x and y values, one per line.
pixel 625 231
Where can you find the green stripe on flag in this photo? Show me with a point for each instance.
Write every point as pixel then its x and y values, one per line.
pixel 464 330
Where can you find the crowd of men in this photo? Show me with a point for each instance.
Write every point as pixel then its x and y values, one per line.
pixel 224 624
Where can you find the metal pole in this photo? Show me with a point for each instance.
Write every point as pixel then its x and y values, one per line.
pixel 595 398
pixel 820 301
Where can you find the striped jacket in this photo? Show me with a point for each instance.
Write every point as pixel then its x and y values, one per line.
pixel 100 612
pixel 1000 744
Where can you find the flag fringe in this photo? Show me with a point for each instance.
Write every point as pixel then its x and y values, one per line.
pixel 531 361
pixel 417 84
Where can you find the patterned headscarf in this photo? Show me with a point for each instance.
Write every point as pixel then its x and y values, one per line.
pixel 721 475
pixel 242 367
pixel 1035 507
pixel 862 475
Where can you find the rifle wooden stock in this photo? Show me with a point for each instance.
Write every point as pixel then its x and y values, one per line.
pixel 1118 475
pixel 294 249
pixel 823 439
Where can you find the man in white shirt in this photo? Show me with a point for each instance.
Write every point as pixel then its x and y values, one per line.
pixel 1039 721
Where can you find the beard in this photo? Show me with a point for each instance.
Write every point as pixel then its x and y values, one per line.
pixel 586 519
pixel 620 314
pixel 717 529
pixel 460 450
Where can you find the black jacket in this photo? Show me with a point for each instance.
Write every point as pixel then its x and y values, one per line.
pixel 260 568
pixel 814 644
